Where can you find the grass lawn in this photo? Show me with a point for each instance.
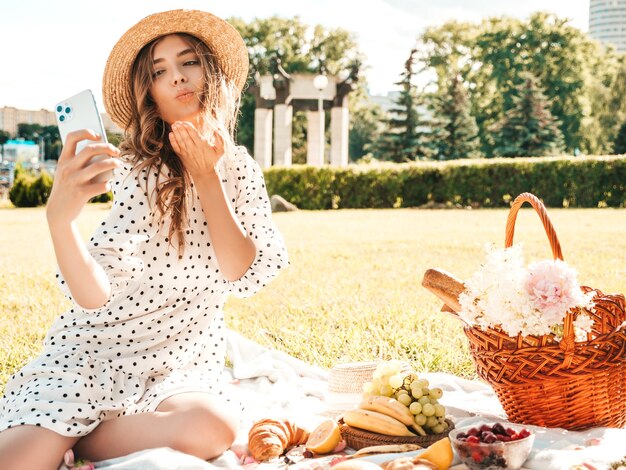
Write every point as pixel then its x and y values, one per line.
pixel 353 289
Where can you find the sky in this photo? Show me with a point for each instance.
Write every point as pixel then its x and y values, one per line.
pixel 50 50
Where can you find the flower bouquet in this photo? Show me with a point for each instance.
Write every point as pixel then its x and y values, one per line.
pixel 525 301
pixel 553 351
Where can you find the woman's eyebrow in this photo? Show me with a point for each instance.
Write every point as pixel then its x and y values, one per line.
pixel 180 54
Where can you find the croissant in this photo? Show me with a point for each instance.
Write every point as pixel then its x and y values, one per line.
pixel 269 438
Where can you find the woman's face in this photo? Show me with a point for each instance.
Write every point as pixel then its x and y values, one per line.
pixel 177 80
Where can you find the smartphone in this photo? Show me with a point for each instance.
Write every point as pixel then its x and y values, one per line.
pixel 81 112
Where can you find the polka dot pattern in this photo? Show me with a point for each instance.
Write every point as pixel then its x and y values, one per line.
pixel 162 330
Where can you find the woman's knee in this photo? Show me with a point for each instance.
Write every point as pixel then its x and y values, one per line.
pixel 28 447
pixel 207 429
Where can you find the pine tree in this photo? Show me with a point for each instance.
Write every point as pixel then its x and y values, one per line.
pixel 407 135
pixel 455 129
pixel 528 129
pixel 619 146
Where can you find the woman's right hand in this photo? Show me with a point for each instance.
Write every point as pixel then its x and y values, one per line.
pixel 73 185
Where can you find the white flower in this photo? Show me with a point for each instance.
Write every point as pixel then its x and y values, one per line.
pixel 530 301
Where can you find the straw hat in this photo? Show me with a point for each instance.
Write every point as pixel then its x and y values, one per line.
pixel 221 38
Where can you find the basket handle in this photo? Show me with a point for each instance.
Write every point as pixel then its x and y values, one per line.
pixel 543 215
pixel 567 344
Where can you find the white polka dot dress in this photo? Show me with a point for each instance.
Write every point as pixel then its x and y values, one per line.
pixel 162 330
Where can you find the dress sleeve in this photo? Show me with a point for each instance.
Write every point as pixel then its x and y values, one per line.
pixel 253 210
pixel 116 242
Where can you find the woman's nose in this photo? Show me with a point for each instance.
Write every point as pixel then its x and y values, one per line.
pixel 179 77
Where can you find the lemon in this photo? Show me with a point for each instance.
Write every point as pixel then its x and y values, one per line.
pixel 324 438
pixel 439 453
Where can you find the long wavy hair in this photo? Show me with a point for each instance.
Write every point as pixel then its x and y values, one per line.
pixel 146 141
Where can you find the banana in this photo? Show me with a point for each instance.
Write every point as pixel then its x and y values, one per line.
pixel 390 407
pixel 419 429
pixel 375 422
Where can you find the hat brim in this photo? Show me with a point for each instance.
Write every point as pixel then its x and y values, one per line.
pixel 222 39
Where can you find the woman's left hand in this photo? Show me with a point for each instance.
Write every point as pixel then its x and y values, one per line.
pixel 198 153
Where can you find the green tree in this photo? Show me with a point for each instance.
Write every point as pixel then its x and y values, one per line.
pixel 492 55
pixel 407 136
pixel 366 126
pixel 28 131
pixel 4 136
pixel 528 127
pixel 619 146
pixel 455 127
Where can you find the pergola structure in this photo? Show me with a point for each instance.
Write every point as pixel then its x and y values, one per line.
pixel 279 95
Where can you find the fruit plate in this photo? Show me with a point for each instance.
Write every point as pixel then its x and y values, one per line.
pixel 359 438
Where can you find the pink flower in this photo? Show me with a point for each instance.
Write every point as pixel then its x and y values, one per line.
pixel 553 289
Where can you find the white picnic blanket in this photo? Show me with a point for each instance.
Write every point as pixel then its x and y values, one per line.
pixel 273 384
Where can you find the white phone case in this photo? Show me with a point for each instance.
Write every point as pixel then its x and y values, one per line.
pixel 81 112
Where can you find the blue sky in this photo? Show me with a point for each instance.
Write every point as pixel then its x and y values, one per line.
pixel 53 49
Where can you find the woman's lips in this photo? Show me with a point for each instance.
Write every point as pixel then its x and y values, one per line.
pixel 186 96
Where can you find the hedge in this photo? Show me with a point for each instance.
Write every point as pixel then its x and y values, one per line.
pixel 597 181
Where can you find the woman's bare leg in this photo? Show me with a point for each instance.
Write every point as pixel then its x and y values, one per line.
pixel 28 447
pixel 193 423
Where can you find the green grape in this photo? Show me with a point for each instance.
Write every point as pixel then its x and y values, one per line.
pixel 423 383
pixel 420 420
pixel 415 408
pixel 405 399
pixel 385 390
pixel 426 391
pixel 436 393
pixel 440 411
pixel 368 388
pixel 417 393
pixel 384 380
pixel 396 381
pixel 424 401
pixel 433 401
pixel 431 422
pixel 438 429
pixel 428 410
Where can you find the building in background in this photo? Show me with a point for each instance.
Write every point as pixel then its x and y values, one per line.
pixel 607 22
pixel 10 117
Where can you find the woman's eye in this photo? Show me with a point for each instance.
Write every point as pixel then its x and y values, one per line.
pixel 191 62
pixel 157 73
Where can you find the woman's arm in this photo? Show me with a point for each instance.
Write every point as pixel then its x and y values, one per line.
pixel 233 248
pixel 71 190
pixel 85 278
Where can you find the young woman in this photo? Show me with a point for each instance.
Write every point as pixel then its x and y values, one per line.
pixel 136 362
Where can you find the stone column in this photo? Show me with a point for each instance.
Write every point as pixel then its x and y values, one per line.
pixel 283 116
pixel 263 136
pixel 313 156
pixel 339 130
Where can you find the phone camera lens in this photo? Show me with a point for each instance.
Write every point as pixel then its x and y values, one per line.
pixel 68 110
pixel 59 108
pixel 61 118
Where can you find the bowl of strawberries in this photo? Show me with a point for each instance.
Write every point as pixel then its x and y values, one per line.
pixel 492 446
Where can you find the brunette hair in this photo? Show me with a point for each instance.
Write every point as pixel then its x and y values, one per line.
pixel 146 141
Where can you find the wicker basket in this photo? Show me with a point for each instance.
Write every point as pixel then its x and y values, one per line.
pixel 350 377
pixel 359 438
pixel 566 384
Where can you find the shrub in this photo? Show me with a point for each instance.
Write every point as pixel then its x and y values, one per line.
pixel 559 181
